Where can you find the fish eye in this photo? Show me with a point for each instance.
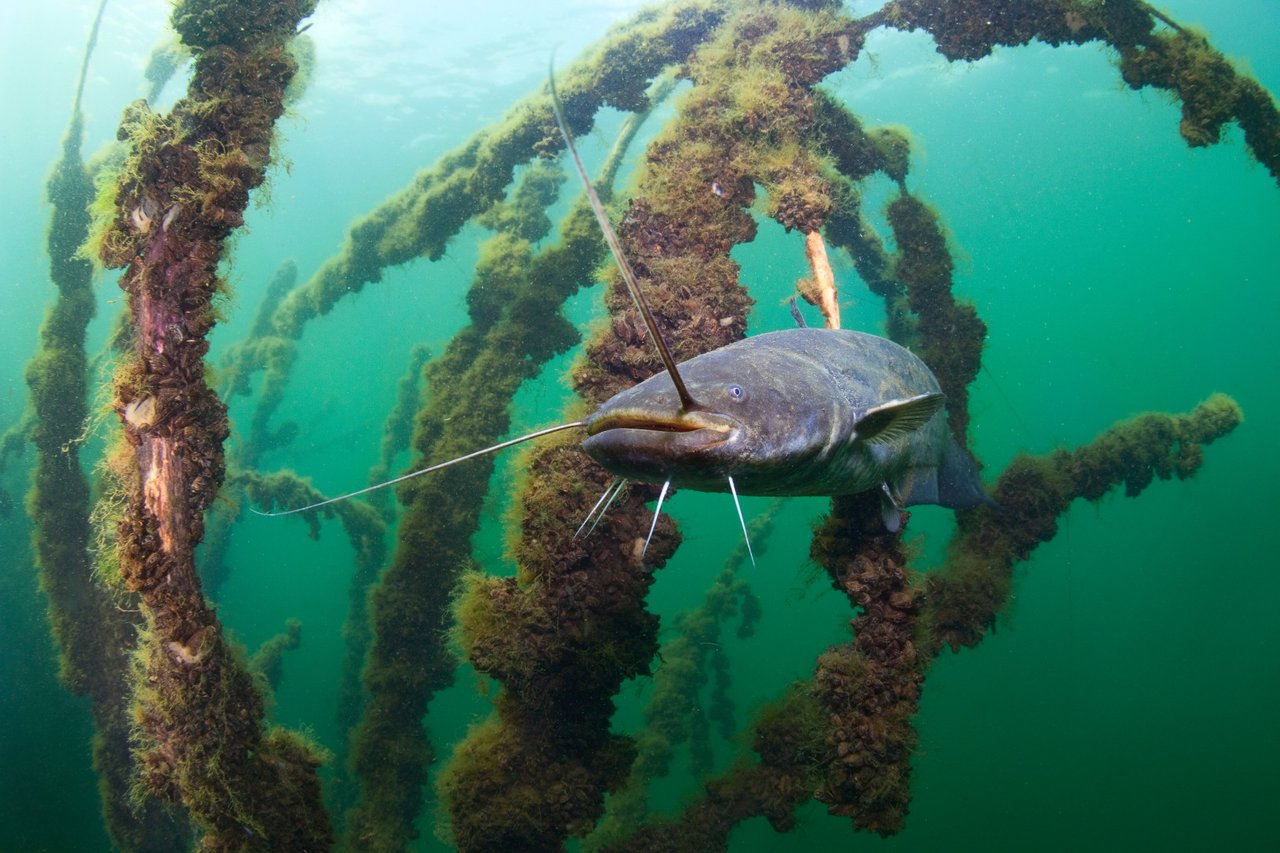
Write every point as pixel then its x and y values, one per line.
pixel 736 392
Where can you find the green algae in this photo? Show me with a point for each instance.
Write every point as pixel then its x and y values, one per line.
pixel 516 327
pixel 673 715
pixel 537 787
pixel 964 599
pixel 268 661
pixel 197 712
pixel 558 686
pixel 1210 90
pixel 950 333
pixel 789 739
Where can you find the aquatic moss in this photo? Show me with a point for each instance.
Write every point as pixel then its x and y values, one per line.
pixel 512 781
pixel 268 661
pixel 419 220
pixel 871 687
pixel 673 715
pixel 303 49
pixel 560 640
pixel 205 24
pixel 162 62
pixel 950 333
pixel 524 214
pixel 500 269
pixel 1211 91
pixel 264 350
pixel 181 191
pixel 963 600
pixel 848 228
pixel 247 787
pixel 790 740
pixel 760 85
pixel 1182 62
pixel 282 281
pixel 855 151
pixel 397 430
pixel 13 442
pixel 516 328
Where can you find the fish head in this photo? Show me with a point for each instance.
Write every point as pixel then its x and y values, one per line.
pixel 750 421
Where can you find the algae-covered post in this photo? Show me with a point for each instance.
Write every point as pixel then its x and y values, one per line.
pixel 846 736
pixel 868 690
pixel 1210 90
pixel 552 719
pixel 573 625
pixel 95 636
pixel 181 191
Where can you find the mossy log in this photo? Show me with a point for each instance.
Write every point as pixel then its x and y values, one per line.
pixel 182 190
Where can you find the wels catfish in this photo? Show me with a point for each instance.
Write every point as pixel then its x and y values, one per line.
pixel 797 412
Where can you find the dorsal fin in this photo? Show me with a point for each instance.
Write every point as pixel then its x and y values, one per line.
pixel 628 275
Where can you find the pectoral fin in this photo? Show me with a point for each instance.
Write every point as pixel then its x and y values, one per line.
pixel 897 419
pixel 890 508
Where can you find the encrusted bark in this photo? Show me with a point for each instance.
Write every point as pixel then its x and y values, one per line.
pixel 564 634
pixel 1211 91
pixel 869 688
pixel 183 189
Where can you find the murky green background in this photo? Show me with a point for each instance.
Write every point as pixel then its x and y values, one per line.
pixel 1127 700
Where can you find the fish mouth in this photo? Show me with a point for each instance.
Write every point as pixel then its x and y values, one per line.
pixel 716 428
pixel 652 447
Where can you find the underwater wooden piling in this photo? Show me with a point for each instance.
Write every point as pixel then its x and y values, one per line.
pixel 95 637
pixel 182 190
pixel 847 734
pixel 564 635
pixel 1210 90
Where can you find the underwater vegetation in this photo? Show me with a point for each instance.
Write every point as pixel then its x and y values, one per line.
pixel 133 548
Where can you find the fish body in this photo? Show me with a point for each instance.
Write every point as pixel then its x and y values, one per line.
pixel 796 412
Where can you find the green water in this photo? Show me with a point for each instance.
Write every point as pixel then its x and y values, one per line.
pixel 1127 699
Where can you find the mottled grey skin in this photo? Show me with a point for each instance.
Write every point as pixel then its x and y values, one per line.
pixel 786 413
